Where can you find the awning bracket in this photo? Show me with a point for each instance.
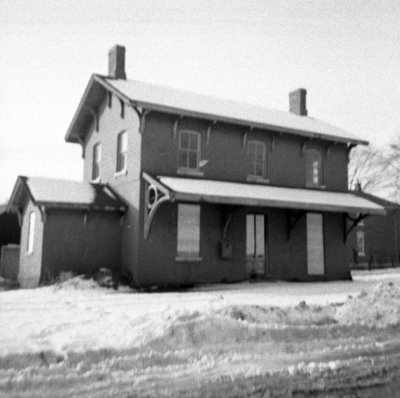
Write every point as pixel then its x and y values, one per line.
pixel 292 219
pixel 156 194
pixel 227 221
pixel 354 222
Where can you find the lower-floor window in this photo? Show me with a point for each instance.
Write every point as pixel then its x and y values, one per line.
pixel 315 244
pixel 361 243
pixel 188 230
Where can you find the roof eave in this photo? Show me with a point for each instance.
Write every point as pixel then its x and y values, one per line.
pixel 179 196
pixel 81 206
pixel 202 115
pixel 70 135
pixel 304 133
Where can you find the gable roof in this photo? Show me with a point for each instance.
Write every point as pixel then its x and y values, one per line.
pixel 64 194
pixel 164 99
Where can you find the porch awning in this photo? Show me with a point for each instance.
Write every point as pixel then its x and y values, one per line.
pixel 210 191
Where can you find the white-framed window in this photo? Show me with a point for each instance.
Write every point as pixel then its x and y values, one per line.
pixel 189 150
pixel 122 151
pixel 257 159
pixel 313 168
pixel 96 161
pixel 361 243
pixel 188 245
pixel 31 232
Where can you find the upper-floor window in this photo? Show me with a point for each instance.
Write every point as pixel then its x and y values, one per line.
pixel 257 159
pixel 313 168
pixel 96 161
pixel 361 243
pixel 31 232
pixel 189 150
pixel 122 114
pixel 122 151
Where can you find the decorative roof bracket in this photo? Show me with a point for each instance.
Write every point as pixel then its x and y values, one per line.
pixel 208 134
pixel 244 137
pixel 303 147
pixel 175 127
pixel 328 150
pixel 43 214
pixel 142 117
pixel 95 117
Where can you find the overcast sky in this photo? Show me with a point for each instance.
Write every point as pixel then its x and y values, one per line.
pixel 345 53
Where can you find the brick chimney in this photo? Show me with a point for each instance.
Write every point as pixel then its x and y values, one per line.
pixel 297 102
pixel 116 62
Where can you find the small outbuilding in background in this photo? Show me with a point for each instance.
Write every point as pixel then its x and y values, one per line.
pixel 9 244
pixel 375 242
pixel 66 226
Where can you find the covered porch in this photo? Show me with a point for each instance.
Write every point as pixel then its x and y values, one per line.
pixel 248 231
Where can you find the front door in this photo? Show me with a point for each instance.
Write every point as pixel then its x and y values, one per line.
pixel 255 245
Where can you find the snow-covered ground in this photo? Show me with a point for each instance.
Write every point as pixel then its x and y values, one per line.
pixel 111 343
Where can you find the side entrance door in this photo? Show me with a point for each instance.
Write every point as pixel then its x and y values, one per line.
pixel 256 259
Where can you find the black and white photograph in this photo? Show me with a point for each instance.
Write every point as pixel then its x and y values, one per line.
pixel 199 198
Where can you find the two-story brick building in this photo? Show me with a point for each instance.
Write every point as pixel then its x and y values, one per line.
pixel 217 190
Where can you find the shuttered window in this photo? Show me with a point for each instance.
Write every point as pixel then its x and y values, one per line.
pixel 31 232
pixel 188 231
pixel 313 167
pixel 122 151
pixel 315 244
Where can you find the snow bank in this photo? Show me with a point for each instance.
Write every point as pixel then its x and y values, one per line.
pixel 78 283
pixel 379 307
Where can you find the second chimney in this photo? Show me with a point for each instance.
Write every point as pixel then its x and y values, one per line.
pixel 116 62
pixel 297 102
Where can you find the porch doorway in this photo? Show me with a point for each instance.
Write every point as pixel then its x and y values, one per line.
pixel 256 256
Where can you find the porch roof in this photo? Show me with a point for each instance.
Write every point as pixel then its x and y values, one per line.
pixel 64 194
pixel 223 192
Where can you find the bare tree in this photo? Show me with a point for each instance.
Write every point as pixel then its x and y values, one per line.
pixel 365 169
pixel 392 168
pixel 376 171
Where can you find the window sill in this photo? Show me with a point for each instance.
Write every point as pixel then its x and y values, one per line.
pixel 257 179
pixel 188 259
pixel 122 173
pixel 312 186
pixel 190 172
